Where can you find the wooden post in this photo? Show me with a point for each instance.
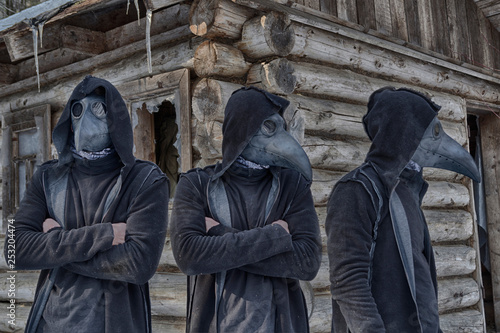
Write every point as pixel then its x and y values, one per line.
pixel 267 35
pixel 490 141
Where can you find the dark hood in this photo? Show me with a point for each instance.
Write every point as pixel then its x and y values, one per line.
pixel 117 118
pixel 395 123
pixel 243 116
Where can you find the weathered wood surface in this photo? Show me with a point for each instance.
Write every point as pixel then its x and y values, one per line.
pixel 210 98
pixel 452 260
pixel 218 18
pixel 457 293
pixel 276 76
pixel 10 73
pixel 22 311
pixel 467 321
pixel 267 35
pixel 490 141
pixel 216 59
pixel 163 20
pixel 120 65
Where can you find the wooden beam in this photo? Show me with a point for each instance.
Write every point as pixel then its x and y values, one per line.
pixel 20 44
pixel 163 20
pixel 163 60
pixel 457 293
pixel 9 73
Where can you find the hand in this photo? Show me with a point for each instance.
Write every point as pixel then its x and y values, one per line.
pixel 119 230
pixel 50 224
pixel 283 224
pixel 209 223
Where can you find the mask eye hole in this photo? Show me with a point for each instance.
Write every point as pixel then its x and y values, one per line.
pixel 99 109
pixel 269 127
pixel 437 130
pixel 76 110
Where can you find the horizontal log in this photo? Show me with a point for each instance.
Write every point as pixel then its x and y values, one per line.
pixel 21 316
pixel 449 225
pixel 218 18
pixel 267 35
pixel 20 44
pixel 329 47
pixel 163 20
pixel 444 225
pixel 457 293
pixel 49 61
pixel 170 325
pixel 118 66
pixel 168 294
pixel 23 286
pixel 321 319
pixel 467 321
pixel 216 59
pixel 446 195
pixel 454 260
pixel 10 73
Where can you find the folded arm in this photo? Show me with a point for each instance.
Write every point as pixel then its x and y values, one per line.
pixel 198 253
pixel 38 250
pixel 136 260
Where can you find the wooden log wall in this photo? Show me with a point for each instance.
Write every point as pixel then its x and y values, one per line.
pixel 456 29
pixel 328 77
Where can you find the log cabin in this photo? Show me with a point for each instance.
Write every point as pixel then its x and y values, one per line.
pixel 176 62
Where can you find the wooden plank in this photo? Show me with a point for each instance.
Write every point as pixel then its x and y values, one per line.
pixel 106 64
pixel 20 44
pixel 21 316
pixel 398 15
pixel 413 22
pixel 328 7
pixel 427 30
pixel 473 25
pixel 440 23
pixel 49 61
pixel 347 10
pixel 24 286
pixel 163 20
pixel 9 73
pixel 457 293
pixel 485 40
pixel 158 4
pixel 83 40
pixel 367 17
pixel 490 141
pixel 383 14
pixel 144 135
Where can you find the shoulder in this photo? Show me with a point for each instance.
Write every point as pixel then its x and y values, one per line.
pixel 199 175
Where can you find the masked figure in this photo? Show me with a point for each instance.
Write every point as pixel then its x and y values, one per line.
pixel 245 230
pixel 93 221
pixel 382 271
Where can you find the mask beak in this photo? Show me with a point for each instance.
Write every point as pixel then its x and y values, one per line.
pixel 438 150
pixel 282 150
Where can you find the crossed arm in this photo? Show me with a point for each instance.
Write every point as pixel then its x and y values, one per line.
pixel 271 250
pixel 120 251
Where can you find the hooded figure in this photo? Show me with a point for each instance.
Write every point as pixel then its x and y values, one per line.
pixel 382 270
pixel 245 231
pixel 94 221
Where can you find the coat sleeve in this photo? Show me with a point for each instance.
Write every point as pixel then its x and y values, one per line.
pixel 38 250
pixel 198 253
pixel 350 217
pixel 304 258
pixel 136 260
